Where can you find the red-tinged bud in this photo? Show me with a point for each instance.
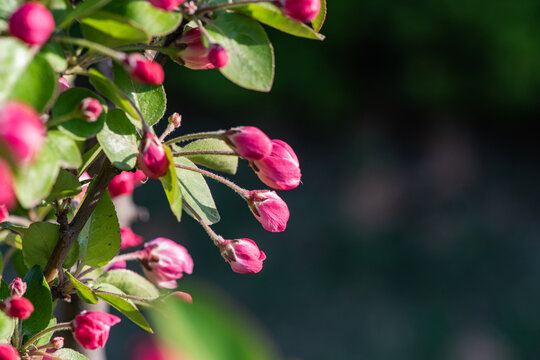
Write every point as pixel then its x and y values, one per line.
pixel 280 170
pixel 18 307
pixel 57 342
pixel 122 184
pixel 175 119
pixel 243 255
pixel 165 261
pixel 152 158
pixel 140 177
pixel 63 85
pixel 90 109
pixel 8 352
pixel 4 213
pixel 144 70
pixel 167 5
pixel 182 296
pixel 32 22
pixel 129 238
pixel 249 142
pixel 302 10
pixel 17 287
pixel 218 56
pixel 271 211
pixel 22 132
pixel 194 55
pixel 91 329
pixel 122 264
pixel 7 195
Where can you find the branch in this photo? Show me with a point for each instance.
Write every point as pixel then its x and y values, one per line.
pixel 70 232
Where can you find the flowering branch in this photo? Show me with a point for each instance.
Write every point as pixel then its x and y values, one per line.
pixel 60 326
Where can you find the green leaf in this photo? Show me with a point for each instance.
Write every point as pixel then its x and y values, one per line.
pixel 251 55
pixel 211 328
pixel 18 263
pixel 14 57
pixel 170 185
pixel 39 294
pixel 6 326
pixel 66 150
pixel 44 340
pixel 39 242
pixel 113 93
pixel 54 54
pixel 150 99
pixel 271 15
pixel 100 236
pixel 126 307
pixel 68 354
pixel 155 21
pixel 14 227
pixel 118 138
pixel 36 85
pixel 4 290
pixel 84 292
pixel 225 163
pixel 113 30
pixel 319 20
pixel 34 182
pixel 66 185
pixel 129 282
pixel 83 9
pixel 67 104
pixel 195 192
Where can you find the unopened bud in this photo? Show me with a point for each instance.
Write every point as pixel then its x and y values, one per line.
pixel 4 213
pixel 243 255
pixel 193 54
pixel 17 287
pixel 57 342
pixel 90 109
pixel 91 329
pixel 152 158
pixel 271 211
pixel 280 170
pixel 165 261
pixel 143 70
pixel 63 85
pixel 167 5
pixel 18 307
pixel 218 56
pixel 32 22
pixel 8 352
pixel 302 10
pixel 249 142
pixel 175 119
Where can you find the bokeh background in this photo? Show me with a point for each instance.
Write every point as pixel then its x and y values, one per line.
pixel 414 234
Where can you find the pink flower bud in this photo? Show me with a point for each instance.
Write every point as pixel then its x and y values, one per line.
pixel 218 56
pixel 32 22
pixel 302 10
pixel 7 195
pixel 90 109
pixel 8 352
pixel 4 213
pixel 175 119
pixel 18 307
pixel 152 158
pixel 122 264
pixel 243 255
pixel 167 5
pixel 195 55
pixel 144 70
pixel 121 184
pixel 139 177
pixel 183 296
pixel 280 170
pixel 91 329
pixel 17 287
pixel 129 238
pixel 21 131
pixel 63 85
pixel 165 261
pixel 57 342
pixel 271 211
pixel 249 142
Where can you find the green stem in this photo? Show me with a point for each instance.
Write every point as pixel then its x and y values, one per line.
pixel 205 152
pixel 215 237
pixel 202 135
pixel 142 47
pixel 61 326
pixel 15 340
pixel 205 10
pixel 118 56
pixel 125 296
pixel 58 120
pixel 240 191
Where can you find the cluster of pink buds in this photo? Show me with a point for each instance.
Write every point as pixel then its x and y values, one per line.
pixel 32 22
pixel 302 10
pixel 125 182
pixel 17 306
pixel 143 70
pixel 167 5
pixel 152 158
pixel 197 57
pixel 91 329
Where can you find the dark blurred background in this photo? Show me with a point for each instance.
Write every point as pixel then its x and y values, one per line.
pixel 414 234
